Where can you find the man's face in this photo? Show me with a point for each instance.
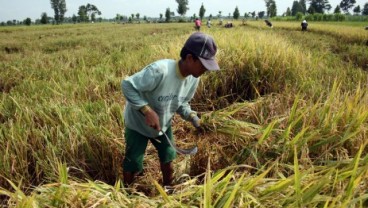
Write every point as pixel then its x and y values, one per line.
pixel 196 67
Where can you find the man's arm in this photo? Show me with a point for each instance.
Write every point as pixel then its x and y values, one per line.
pixel 140 82
pixel 133 87
pixel 185 110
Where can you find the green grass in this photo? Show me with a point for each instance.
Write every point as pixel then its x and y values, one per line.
pixel 287 117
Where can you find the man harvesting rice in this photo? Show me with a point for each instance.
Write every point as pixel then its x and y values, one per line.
pixel 304 25
pixel 268 23
pixel 154 95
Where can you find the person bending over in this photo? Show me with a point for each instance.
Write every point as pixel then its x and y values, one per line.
pixel 154 94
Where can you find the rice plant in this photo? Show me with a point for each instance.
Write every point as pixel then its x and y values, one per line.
pixel 286 121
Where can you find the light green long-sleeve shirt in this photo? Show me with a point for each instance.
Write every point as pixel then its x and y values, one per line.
pixel 161 86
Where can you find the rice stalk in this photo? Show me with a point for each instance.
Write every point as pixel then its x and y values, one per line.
pixel 297 179
pixel 207 192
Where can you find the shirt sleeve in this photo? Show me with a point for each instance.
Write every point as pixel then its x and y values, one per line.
pixel 185 110
pixel 141 82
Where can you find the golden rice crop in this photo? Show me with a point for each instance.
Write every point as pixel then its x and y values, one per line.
pixel 286 119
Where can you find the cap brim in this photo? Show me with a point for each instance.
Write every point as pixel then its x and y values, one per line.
pixel 209 64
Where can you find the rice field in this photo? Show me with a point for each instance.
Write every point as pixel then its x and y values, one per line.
pixel 286 117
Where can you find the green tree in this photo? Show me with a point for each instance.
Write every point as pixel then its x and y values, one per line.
pixel 357 10
pixel 299 16
pixel 167 15
pixel 117 17
pixel 27 21
pixel 365 9
pixel 318 6
pixel 219 14
pixel 74 19
pixel 182 7
pixel 346 5
pixel 337 10
pixel 296 8
pixel 288 12
pixel 44 18
pixel 92 10
pixel 202 11
pixel 137 16
pixel 161 15
pixel 303 4
pixel 261 14
pixel 271 8
pixel 93 17
pixel 253 14
pixel 236 13
pixel 328 7
pixel 59 7
pixel 82 12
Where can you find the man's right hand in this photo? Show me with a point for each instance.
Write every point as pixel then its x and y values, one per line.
pixel 151 118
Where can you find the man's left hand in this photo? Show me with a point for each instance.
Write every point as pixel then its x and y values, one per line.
pixel 196 121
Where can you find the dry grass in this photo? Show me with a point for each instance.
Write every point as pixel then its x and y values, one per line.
pixel 287 122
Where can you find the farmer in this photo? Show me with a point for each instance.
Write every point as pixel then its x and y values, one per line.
pixel 229 25
pixel 154 95
pixel 209 23
pixel 197 24
pixel 268 23
pixel 304 25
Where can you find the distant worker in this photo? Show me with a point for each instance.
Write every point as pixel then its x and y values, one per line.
pixel 268 23
pixel 197 24
pixel 209 23
pixel 229 25
pixel 304 25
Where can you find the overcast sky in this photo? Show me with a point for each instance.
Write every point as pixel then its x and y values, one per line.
pixel 21 9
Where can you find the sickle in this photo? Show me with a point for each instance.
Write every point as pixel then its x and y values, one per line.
pixel 190 151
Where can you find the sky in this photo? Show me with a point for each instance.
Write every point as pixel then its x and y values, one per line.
pixel 22 9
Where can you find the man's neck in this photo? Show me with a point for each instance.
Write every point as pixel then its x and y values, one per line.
pixel 182 70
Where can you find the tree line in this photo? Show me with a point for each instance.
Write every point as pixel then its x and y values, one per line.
pixel 298 8
pixel 88 12
pixel 321 6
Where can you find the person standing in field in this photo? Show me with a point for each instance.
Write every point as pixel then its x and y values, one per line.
pixel 209 23
pixel 154 94
pixel 197 24
pixel 304 25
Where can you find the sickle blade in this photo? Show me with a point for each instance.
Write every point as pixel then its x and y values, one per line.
pixel 190 151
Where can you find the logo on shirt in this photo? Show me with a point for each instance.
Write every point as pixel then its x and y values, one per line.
pixel 170 97
pixel 166 98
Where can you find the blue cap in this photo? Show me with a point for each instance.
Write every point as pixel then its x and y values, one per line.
pixel 203 46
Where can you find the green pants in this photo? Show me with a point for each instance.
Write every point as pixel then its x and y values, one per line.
pixel 135 147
